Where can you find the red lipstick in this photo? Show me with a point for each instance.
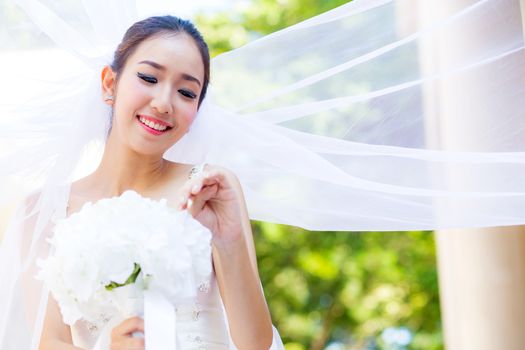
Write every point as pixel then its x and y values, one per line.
pixel 155 120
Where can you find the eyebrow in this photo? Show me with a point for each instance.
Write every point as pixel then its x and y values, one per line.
pixel 185 76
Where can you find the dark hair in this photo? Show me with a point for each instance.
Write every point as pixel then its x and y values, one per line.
pixel 158 25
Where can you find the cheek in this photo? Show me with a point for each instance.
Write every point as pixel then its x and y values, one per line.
pixel 132 92
pixel 189 113
pixel 137 92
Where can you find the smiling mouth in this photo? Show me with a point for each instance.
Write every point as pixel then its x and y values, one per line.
pixel 152 127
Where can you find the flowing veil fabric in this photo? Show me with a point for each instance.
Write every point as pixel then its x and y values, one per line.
pixel 378 115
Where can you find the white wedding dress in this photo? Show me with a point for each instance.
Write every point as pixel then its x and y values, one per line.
pixel 200 325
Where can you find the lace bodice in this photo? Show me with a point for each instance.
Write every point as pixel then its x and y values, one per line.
pixel 200 325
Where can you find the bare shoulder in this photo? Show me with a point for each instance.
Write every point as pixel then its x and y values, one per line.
pixel 179 172
pixel 79 194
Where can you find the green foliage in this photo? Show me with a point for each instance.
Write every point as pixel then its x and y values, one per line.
pixel 229 30
pixel 348 287
pixel 334 287
pixel 131 279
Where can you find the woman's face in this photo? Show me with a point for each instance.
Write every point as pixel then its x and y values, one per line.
pixel 157 93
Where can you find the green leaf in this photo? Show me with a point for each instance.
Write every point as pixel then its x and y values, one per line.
pixel 131 279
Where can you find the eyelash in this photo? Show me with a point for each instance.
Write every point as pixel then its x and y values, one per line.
pixel 153 80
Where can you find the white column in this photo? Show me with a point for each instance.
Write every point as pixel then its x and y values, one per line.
pixel 481 271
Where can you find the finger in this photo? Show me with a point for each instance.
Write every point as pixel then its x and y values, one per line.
pixel 128 326
pixel 217 176
pixel 197 202
pixel 214 178
pixel 194 187
pixel 197 186
pixel 191 185
pixel 204 181
pixel 132 344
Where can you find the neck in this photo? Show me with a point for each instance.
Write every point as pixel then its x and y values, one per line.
pixel 121 169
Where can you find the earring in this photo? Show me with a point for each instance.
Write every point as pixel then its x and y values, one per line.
pixel 108 98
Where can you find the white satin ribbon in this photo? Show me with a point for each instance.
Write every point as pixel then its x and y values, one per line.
pixel 159 322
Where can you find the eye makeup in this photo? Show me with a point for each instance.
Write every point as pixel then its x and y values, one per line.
pixel 187 93
pixel 147 78
pixel 152 80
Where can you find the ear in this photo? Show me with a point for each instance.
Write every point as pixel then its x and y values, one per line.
pixel 108 85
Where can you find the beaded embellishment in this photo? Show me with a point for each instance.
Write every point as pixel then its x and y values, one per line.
pixel 204 287
pixel 196 170
pixel 196 311
pixel 94 327
pixel 197 340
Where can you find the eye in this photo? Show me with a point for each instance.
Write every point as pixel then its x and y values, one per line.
pixel 147 78
pixel 187 93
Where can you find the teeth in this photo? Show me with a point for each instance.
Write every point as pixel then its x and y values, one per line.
pixel 153 125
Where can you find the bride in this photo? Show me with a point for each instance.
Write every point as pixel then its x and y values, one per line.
pixel 340 122
pixel 155 86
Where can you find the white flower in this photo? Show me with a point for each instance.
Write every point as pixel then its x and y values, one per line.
pixel 101 244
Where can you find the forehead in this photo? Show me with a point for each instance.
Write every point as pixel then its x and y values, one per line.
pixel 177 52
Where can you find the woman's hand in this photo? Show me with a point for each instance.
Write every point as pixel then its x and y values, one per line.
pixel 122 338
pixel 214 198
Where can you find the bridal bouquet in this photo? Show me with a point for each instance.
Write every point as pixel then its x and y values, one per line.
pixel 119 247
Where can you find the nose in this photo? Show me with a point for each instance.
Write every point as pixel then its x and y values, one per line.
pixel 162 102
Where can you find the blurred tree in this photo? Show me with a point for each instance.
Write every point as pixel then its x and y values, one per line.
pixel 349 287
pixel 228 30
pixel 336 290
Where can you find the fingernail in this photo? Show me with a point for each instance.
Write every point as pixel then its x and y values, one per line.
pixel 190 203
pixel 195 188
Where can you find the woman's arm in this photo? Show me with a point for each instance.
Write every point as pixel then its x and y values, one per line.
pixel 248 316
pixel 55 334
pixel 217 201
pixel 238 278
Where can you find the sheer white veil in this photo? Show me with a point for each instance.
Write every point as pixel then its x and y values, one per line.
pixel 378 115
